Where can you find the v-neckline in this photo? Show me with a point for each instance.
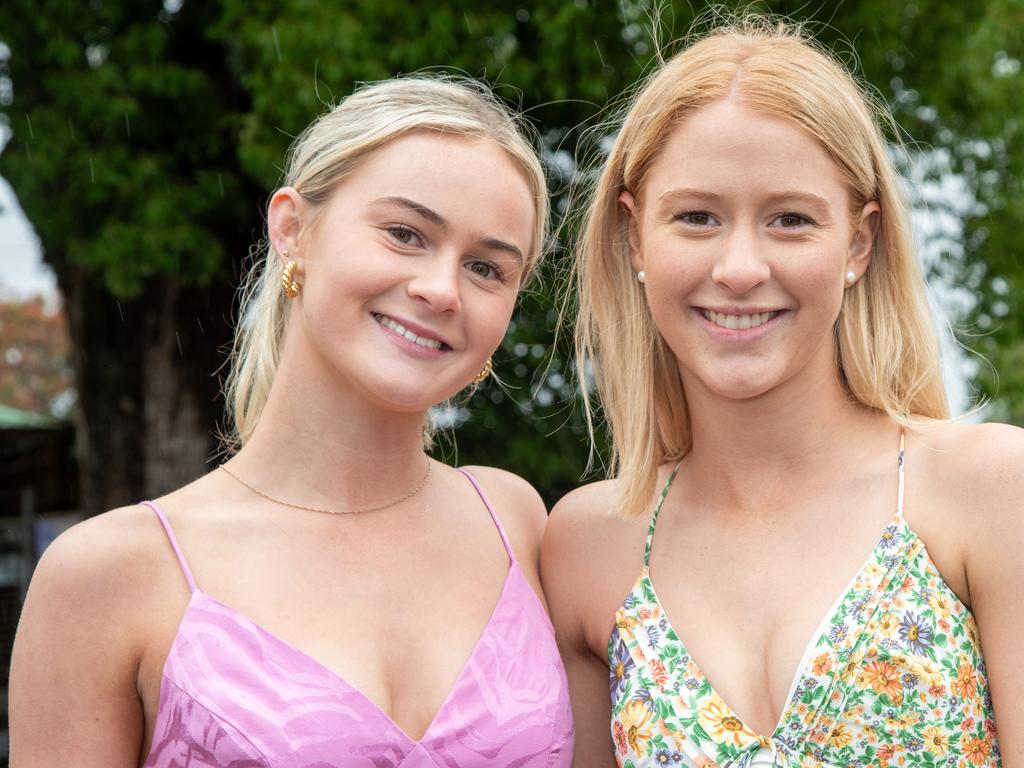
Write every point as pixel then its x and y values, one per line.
pixel 896 521
pixel 335 677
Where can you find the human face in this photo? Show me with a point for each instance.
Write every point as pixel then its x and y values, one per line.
pixel 411 272
pixel 745 234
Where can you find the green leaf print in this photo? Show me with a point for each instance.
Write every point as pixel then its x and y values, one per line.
pixel 649 595
pixel 664 709
pixel 699 734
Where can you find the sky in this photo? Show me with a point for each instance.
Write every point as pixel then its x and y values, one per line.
pixel 22 271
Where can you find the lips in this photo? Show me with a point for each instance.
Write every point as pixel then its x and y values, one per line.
pixel 420 339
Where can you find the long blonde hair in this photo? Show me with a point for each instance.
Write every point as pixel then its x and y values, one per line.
pixel 319 160
pixel 886 347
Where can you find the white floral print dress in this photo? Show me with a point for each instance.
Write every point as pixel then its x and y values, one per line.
pixel 895 677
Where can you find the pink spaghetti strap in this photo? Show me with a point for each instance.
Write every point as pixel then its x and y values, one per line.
pixel 174 543
pixel 494 515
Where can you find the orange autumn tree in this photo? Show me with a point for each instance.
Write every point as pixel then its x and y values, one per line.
pixel 35 369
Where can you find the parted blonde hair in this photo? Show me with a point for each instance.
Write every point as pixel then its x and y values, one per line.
pixel 320 159
pixel 886 347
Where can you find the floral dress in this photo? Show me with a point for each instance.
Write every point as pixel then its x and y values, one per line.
pixel 893 677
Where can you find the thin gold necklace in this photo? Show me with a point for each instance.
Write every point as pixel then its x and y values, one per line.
pixel 409 495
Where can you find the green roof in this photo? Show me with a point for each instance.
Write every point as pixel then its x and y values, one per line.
pixel 13 418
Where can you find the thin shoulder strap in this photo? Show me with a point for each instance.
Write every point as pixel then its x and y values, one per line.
pixel 494 515
pixel 174 543
pixel 902 461
pixel 654 518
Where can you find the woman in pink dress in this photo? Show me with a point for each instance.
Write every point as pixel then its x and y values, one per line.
pixel 330 596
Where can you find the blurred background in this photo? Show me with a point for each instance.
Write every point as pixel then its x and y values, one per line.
pixel 139 142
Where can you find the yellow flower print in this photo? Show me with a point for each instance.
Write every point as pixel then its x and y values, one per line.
pixel 692 670
pixel 926 669
pixel 965 684
pixel 883 677
pixel 874 570
pixel 888 625
pixel 636 722
pixel 935 741
pixel 940 603
pixel 976 750
pixel 722 724
pixel 626 622
pixel 971 625
pixel 841 736
pixel 822 664
pixel 705 762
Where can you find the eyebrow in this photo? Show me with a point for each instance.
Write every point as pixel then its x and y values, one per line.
pixel 430 215
pixel 808 198
pixel 675 192
pixel 434 217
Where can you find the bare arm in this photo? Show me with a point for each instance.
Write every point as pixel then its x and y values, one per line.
pixel 73 698
pixel 995 574
pixel 568 558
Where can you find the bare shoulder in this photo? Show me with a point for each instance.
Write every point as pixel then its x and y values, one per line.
pixel 581 518
pixel 519 507
pixel 972 483
pixel 81 637
pixel 978 467
pixel 512 496
pixel 103 560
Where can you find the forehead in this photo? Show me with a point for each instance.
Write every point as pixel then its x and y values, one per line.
pixel 471 181
pixel 728 149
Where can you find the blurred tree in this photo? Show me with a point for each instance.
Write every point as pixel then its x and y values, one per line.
pixel 146 140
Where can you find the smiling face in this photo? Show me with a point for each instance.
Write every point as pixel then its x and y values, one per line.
pixel 410 274
pixel 745 233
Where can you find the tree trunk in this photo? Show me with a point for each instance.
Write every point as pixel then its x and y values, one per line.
pixel 148 394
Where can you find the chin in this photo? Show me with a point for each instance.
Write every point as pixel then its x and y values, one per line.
pixel 409 395
pixel 740 386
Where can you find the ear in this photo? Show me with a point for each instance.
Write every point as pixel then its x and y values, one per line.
pixel 864 231
pixel 284 223
pixel 632 209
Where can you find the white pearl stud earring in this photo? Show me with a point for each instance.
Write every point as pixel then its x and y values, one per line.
pixel 850 277
pixel 641 276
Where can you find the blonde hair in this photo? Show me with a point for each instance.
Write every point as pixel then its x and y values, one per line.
pixel 320 159
pixel 886 347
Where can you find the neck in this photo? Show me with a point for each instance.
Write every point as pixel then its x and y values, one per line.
pixel 319 444
pixel 754 454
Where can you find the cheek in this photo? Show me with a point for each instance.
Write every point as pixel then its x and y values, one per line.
pixel 494 317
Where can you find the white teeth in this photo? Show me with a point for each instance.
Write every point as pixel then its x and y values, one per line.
pixel 401 330
pixel 738 322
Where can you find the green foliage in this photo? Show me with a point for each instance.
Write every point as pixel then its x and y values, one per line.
pixel 145 141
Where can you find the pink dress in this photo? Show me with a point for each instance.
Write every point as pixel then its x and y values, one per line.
pixel 234 695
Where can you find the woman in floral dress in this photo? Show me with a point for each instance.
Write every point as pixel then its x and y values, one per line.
pixel 757 323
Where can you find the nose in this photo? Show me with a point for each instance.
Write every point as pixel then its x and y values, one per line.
pixel 741 265
pixel 436 283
